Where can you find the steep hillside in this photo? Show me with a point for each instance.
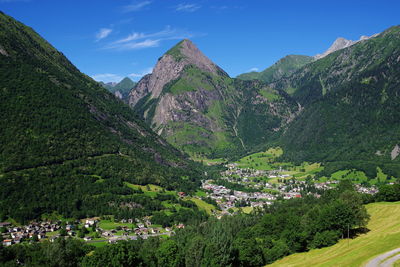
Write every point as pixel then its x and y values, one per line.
pixel 67 145
pixel 284 67
pixel 197 107
pixel 350 101
pixel 121 89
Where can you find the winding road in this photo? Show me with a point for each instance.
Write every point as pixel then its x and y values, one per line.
pixel 386 259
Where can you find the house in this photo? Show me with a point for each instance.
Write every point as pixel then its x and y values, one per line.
pixel 181 194
pixel 106 233
pixel 87 238
pixel 91 222
pixel 5 224
pixel 7 242
pixel 180 226
pixel 41 236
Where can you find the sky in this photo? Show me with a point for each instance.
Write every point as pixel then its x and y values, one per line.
pixel 112 39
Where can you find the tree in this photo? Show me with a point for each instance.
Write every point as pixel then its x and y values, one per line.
pixel 167 254
pixel 195 251
pixel 249 252
pixel 324 239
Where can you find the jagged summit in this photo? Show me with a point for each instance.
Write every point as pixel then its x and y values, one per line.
pixel 341 43
pixel 338 44
pixel 187 51
pixel 169 67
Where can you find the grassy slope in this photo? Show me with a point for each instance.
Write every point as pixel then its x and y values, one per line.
pixel 384 236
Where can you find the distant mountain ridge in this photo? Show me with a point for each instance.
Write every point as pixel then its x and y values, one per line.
pixel 120 89
pixel 284 67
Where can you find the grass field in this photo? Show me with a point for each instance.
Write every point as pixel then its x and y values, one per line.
pixel 109 225
pixel 384 235
pixel 260 160
pixel 201 204
pixel 150 189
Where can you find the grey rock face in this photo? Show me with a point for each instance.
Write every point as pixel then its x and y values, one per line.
pixel 168 68
pixel 395 152
pixel 3 51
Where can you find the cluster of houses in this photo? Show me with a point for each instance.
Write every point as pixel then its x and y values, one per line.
pixel 226 198
pixel 17 234
pixel 291 188
pixel 144 229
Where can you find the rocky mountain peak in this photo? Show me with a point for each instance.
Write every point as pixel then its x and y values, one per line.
pixel 341 43
pixel 188 52
pixel 169 67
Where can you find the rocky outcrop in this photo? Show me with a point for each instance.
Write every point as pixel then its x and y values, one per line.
pixel 3 51
pixel 395 152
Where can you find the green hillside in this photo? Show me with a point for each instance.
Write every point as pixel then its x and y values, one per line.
pixel 67 145
pixel 284 67
pixel 384 235
pixel 350 101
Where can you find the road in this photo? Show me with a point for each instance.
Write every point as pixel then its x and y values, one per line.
pixel 386 259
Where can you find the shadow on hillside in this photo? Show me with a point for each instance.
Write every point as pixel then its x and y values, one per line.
pixel 357 232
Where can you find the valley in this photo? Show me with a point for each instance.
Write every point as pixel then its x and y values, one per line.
pixel 181 164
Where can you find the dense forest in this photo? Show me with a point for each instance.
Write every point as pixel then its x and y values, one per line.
pixel 262 237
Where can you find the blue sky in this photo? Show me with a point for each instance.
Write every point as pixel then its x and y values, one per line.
pixel 111 39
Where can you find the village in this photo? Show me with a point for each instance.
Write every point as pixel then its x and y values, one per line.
pixel 262 191
pixel 88 230
pixel 286 187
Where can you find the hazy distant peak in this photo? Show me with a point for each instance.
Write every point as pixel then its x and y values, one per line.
pixel 341 43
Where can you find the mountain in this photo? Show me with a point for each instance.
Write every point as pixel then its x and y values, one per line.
pixel 121 89
pixel 350 100
pixel 283 67
pixel 341 43
pixel 198 108
pixel 67 145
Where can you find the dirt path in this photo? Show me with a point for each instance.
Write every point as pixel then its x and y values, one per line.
pixel 385 260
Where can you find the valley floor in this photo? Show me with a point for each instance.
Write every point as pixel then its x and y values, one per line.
pixel 384 236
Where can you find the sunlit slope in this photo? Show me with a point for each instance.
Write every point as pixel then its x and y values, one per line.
pixel 384 235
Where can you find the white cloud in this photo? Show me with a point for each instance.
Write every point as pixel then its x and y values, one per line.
pixel 167 32
pixel 135 45
pixel 187 7
pixel 107 77
pixel 135 6
pixel 139 40
pixel 253 69
pixel 141 74
pixel 103 33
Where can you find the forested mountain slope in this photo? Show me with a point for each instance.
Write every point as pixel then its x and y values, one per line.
pixel 351 106
pixel 66 143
